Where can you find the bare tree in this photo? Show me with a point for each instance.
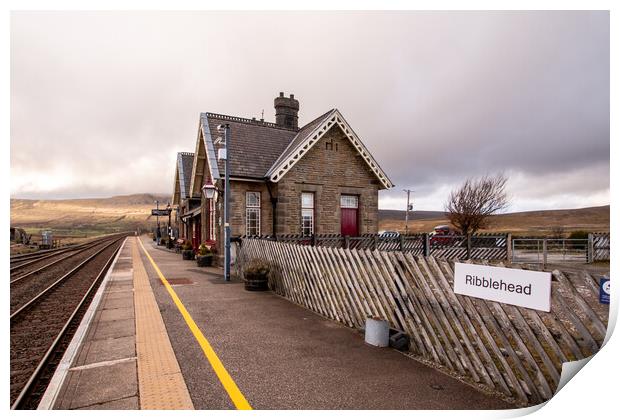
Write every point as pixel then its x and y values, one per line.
pixel 558 232
pixel 469 207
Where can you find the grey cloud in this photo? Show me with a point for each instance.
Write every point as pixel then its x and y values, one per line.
pixel 436 96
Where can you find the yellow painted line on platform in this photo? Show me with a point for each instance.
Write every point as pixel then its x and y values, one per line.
pixel 227 381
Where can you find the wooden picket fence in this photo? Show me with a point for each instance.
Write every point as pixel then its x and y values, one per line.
pixel 489 246
pixel 512 350
pixel 600 246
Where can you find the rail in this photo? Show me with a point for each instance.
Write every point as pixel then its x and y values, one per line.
pixel 26 392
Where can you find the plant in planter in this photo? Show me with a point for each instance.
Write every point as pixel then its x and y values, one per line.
pixel 188 251
pixel 256 275
pixel 206 251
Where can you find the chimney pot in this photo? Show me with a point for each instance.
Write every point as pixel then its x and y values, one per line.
pixel 281 94
pixel 292 96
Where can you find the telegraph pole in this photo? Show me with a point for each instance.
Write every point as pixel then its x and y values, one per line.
pixel 227 204
pixel 407 211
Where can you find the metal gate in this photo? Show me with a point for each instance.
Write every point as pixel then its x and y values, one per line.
pixel 554 251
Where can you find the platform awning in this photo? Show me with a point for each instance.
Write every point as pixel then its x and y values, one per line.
pixel 192 213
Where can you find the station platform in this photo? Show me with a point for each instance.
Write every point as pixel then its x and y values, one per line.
pixel 166 334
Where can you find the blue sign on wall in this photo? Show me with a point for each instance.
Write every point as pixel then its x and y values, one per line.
pixel 603 296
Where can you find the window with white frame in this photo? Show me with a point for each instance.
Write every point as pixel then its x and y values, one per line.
pixel 252 213
pixel 307 214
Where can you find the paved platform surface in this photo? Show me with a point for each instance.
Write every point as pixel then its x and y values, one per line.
pixel 282 356
pixel 125 359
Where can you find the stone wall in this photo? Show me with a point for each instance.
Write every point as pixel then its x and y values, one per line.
pixel 238 206
pixel 331 168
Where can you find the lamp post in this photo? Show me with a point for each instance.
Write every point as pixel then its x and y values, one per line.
pixel 169 230
pixel 209 191
pixel 226 129
pixel 157 231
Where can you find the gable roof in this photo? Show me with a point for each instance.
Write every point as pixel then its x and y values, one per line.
pixel 312 133
pixel 182 176
pixel 204 152
pixel 301 135
pixel 260 149
pixel 185 161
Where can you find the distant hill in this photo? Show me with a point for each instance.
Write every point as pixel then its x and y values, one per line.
pixel 92 216
pixel 413 215
pixel 592 219
pixel 86 216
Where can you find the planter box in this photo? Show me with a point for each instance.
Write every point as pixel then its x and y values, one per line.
pixel 256 283
pixel 188 254
pixel 204 260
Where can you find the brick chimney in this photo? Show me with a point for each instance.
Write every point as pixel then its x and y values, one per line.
pixel 286 111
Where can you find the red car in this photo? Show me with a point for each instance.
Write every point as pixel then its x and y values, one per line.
pixel 443 235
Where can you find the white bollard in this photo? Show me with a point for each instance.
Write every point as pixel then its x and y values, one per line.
pixel 377 332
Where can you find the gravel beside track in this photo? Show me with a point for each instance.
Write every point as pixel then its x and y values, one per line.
pixel 26 289
pixel 34 329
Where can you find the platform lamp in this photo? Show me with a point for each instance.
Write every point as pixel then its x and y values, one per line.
pixel 169 210
pixel 208 190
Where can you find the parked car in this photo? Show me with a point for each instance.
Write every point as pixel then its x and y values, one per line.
pixel 443 235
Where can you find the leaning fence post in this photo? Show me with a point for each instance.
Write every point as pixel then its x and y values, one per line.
pixel 509 247
pixel 313 240
pixel 401 242
pixel 426 245
pixel 544 253
pixel 590 255
pixel 346 242
pixel 375 242
pixel 469 246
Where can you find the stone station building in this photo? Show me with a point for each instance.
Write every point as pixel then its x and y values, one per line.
pixel 317 179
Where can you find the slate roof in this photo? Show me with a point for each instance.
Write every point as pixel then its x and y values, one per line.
pixel 255 145
pixel 258 149
pixel 298 139
pixel 185 161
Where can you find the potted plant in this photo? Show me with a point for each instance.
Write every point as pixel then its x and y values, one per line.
pixel 204 257
pixel 256 275
pixel 188 251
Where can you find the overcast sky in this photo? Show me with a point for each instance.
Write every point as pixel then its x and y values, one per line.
pixel 102 101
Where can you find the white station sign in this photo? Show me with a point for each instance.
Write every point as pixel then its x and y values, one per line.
pixel 529 289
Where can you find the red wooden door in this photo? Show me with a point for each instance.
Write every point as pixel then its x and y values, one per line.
pixel 348 222
pixel 348 215
pixel 196 237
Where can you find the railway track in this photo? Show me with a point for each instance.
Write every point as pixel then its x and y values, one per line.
pixel 42 326
pixel 24 262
